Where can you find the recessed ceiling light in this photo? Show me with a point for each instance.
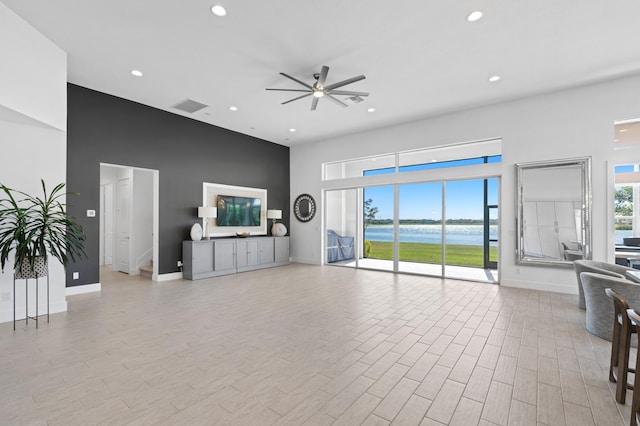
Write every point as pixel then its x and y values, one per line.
pixel 494 78
pixel 292 130
pixel 218 10
pixel 233 108
pixel 137 73
pixel 371 110
pixel 623 130
pixel 474 16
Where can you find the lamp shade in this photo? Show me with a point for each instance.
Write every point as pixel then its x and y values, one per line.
pixel 274 214
pixel 207 211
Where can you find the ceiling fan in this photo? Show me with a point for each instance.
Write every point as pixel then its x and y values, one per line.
pixel 319 90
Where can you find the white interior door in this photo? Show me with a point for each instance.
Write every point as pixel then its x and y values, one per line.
pixel 123 225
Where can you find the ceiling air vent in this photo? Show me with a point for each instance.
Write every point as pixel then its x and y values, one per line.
pixel 189 105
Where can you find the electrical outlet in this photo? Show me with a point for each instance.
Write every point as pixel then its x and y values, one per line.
pixel 179 263
pixel 76 275
pixel 6 297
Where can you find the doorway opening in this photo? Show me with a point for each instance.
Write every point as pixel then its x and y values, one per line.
pixel 129 219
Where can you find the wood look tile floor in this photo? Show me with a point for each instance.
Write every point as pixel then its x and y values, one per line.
pixel 308 345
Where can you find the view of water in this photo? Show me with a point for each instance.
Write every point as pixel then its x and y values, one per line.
pixel 455 234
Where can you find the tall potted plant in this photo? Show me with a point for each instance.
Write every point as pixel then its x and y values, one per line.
pixel 35 228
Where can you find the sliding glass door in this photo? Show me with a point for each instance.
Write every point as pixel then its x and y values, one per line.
pixel 420 230
pixel 446 229
pixel 378 228
pixel 471 234
pixel 342 227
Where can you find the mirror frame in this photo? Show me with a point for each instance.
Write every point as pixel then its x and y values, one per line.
pixel 298 212
pixel 585 167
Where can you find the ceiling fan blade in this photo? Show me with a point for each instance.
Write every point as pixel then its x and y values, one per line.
pixel 296 80
pixel 314 103
pixel 344 82
pixel 336 100
pixel 289 90
pixel 323 76
pixel 347 93
pixel 295 99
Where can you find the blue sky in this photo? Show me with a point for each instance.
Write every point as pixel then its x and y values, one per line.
pixel 465 199
pixel 424 200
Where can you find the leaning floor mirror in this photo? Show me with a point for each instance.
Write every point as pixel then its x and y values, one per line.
pixel 554 212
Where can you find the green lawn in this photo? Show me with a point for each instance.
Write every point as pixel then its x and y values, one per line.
pixel 457 254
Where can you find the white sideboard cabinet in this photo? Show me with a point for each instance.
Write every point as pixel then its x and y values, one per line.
pixel 212 258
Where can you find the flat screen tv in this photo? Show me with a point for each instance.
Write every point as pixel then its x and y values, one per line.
pixel 238 211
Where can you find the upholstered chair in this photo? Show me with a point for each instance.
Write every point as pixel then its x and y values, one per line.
pixel 600 313
pixel 597 267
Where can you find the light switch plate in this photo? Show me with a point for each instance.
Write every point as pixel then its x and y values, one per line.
pixel 91 213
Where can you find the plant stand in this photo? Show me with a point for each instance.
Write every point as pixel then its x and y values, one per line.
pixel 26 302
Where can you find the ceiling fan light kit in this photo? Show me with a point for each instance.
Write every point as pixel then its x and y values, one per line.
pixel 319 90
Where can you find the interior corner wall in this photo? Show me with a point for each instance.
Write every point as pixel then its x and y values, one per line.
pixel 106 129
pixel 577 122
pixel 33 74
pixel 33 137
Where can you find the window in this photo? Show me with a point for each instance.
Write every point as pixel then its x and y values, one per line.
pixel 454 155
pixel 627 190
pixel 437 224
pixel 627 134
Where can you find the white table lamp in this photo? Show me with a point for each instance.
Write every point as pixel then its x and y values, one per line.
pixel 206 212
pixel 277 229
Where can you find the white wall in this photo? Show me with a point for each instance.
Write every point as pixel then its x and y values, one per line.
pixel 567 124
pixel 33 142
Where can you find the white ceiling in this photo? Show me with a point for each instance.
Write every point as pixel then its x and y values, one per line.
pixel 420 58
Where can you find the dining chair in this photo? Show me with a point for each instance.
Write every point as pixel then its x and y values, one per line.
pixel 623 327
pixel 635 402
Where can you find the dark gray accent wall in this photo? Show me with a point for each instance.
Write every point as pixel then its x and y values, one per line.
pixel 106 129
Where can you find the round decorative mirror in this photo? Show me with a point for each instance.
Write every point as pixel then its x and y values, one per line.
pixel 304 208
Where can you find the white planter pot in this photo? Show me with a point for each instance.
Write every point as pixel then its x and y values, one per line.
pixel 25 271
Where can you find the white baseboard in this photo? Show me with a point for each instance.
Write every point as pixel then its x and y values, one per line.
pixel 81 289
pixel 7 315
pixel 307 261
pixel 167 277
pixel 541 286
